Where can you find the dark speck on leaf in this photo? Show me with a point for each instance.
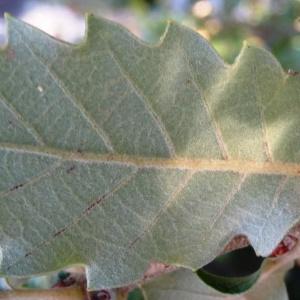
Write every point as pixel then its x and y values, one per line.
pixel 71 169
pixel 16 187
pixel 11 124
pixel 27 254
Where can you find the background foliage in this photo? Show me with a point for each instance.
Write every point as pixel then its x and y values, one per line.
pixel 274 24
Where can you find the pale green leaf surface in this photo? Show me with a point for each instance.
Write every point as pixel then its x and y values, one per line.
pixel 115 153
pixel 184 284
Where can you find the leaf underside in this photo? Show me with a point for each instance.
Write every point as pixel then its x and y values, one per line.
pixel 115 154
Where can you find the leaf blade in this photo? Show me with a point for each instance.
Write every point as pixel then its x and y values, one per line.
pixel 84 105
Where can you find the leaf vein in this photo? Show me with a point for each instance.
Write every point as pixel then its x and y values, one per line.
pixel 47 172
pixel 266 143
pixel 99 201
pixel 282 183
pixel 214 123
pixel 164 208
pixel 230 197
pixel 146 102
pixel 210 165
pixel 73 100
pixel 30 129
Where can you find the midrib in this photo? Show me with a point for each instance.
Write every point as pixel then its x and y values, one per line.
pixel 239 166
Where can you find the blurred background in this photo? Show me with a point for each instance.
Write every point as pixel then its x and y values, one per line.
pixel 273 24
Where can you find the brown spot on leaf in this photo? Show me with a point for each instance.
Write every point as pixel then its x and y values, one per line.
pixel 27 254
pixel 16 187
pixel 71 169
pixel 59 232
pixel 11 124
pixel 91 206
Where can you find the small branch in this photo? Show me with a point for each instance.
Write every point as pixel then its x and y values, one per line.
pixel 51 294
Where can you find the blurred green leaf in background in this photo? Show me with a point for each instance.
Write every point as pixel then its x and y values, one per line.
pixel 274 24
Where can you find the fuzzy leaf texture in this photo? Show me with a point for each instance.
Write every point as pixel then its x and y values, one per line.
pixel 115 153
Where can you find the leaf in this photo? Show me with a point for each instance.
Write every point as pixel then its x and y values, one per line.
pixel 115 153
pixel 136 294
pixel 234 272
pixel 228 285
pixel 184 284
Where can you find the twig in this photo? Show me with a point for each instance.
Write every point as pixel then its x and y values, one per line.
pixel 51 294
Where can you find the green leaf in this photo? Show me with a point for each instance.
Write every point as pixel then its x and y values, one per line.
pixel 136 294
pixel 234 272
pixel 115 153
pixel 230 285
pixel 184 284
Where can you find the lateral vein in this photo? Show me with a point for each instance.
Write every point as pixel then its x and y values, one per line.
pixel 140 94
pixel 30 129
pixel 75 102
